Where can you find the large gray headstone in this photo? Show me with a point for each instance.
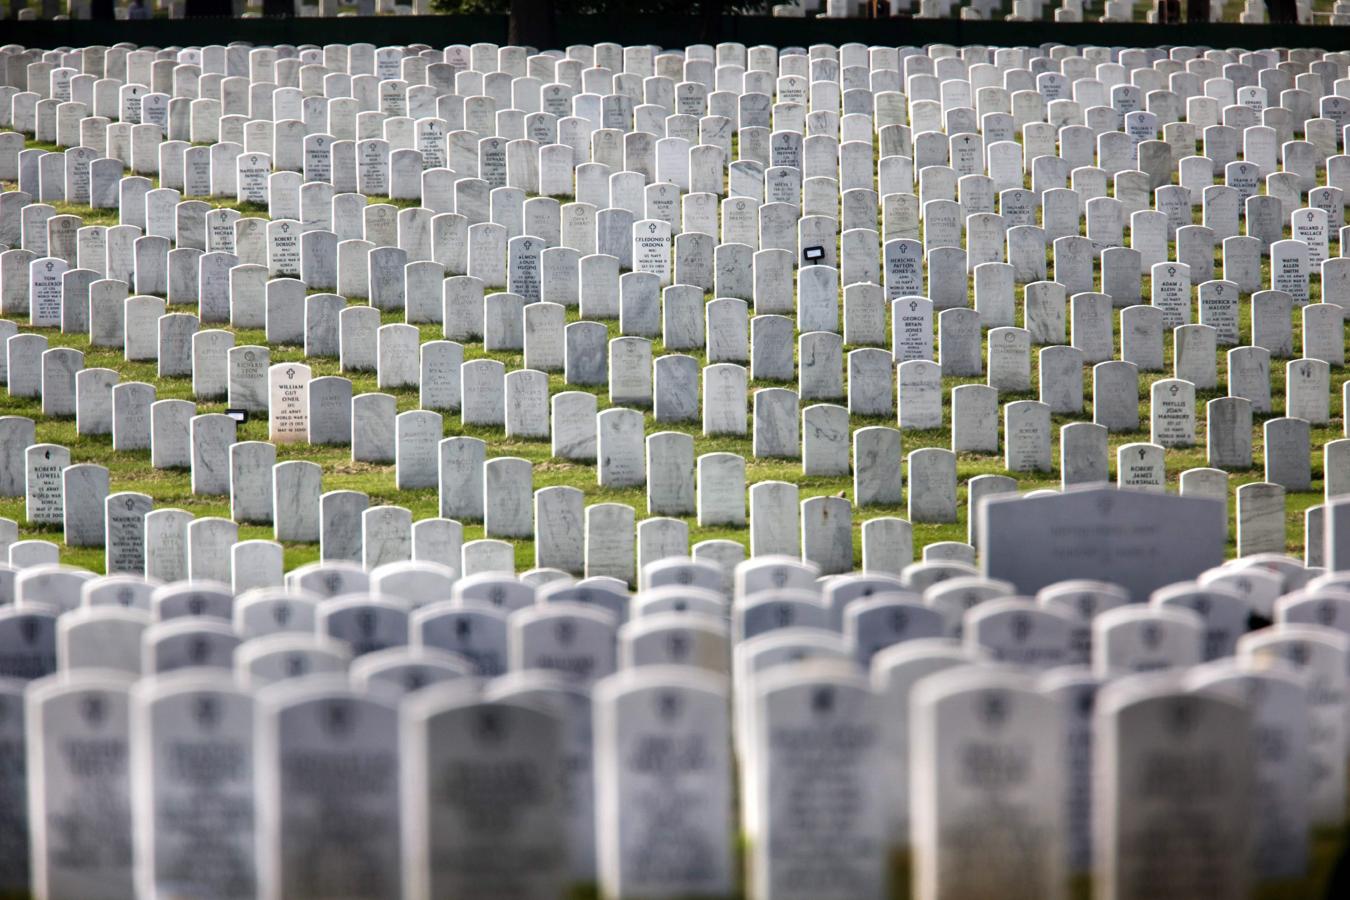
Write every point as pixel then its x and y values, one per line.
pixel 335 835
pixel 1139 540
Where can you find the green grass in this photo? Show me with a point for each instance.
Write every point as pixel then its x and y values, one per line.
pixel 130 470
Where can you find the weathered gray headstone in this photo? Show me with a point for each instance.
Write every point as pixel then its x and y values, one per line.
pixel 1101 533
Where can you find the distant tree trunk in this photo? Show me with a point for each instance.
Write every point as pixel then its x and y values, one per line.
pixel 1281 11
pixel 710 12
pixel 532 24
pixel 208 8
pixel 1197 10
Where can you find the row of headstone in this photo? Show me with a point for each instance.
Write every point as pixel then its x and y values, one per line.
pixel 1114 689
pixel 972 427
pixel 955 693
pixel 604 538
